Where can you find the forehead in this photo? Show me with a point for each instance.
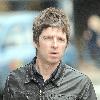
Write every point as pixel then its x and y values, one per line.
pixel 53 31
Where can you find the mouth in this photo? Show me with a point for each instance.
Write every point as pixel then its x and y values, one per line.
pixel 54 54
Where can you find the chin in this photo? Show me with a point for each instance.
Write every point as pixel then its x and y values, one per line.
pixel 54 61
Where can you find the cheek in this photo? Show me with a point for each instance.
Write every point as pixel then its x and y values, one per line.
pixel 63 47
pixel 44 46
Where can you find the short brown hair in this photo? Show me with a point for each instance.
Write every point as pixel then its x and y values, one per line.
pixel 50 17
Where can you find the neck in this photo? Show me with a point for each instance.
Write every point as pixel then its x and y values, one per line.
pixel 45 69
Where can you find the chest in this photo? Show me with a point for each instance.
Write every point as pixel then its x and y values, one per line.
pixel 32 91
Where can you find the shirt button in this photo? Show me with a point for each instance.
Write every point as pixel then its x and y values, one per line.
pixel 27 97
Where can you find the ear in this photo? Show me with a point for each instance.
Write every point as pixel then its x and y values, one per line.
pixel 35 45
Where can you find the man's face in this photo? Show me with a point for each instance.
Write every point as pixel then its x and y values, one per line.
pixel 51 46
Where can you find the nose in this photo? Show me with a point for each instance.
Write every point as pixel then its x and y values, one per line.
pixel 54 43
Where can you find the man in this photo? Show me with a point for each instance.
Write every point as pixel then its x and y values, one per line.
pixel 46 77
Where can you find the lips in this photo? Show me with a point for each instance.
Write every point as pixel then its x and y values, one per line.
pixel 54 54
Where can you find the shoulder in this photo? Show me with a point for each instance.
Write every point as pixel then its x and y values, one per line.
pixel 74 80
pixel 19 73
pixel 74 76
pixel 70 71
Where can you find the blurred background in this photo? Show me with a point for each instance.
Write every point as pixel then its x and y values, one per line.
pixel 16 44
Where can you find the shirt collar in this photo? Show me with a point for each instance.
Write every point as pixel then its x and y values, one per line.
pixel 31 71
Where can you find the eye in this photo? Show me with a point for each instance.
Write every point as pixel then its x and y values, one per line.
pixel 61 39
pixel 47 37
pixel 44 37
